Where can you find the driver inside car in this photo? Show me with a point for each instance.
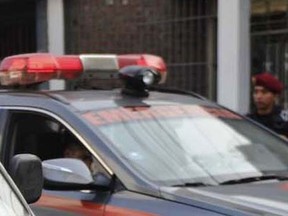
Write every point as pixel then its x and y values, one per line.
pixel 74 149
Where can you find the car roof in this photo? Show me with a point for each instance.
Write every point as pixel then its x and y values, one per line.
pixel 83 100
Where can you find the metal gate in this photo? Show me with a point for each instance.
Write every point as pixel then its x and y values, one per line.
pixel 185 35
pixel 183 32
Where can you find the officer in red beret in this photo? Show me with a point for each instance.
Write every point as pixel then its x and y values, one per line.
pixel 266 91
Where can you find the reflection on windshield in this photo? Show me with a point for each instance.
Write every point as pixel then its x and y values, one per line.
pixel 193 148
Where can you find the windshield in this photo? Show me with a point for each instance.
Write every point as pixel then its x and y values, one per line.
pixel 189 143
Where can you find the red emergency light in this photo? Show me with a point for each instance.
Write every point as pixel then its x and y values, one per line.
pixel 69 66
pixel 34 68
pixel 38 67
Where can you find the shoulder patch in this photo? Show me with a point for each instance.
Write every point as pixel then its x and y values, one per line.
pixel 284 115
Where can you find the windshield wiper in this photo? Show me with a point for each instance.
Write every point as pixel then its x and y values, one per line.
pixel 191 184
pixel 255 179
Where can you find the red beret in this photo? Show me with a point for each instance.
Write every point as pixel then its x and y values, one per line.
pixel 268 81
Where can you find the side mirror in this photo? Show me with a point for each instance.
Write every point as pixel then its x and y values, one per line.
pixel 70 174
pixel 26 171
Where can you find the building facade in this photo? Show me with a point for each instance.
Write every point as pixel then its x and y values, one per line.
pixel 183 32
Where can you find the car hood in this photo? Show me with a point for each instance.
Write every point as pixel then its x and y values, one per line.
pixel 265 198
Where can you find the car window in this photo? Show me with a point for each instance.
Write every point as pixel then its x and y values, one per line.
pixel 47 138
pixel 175 144
pixel 10 203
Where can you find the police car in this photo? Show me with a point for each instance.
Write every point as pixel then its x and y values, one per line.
pixel 138 148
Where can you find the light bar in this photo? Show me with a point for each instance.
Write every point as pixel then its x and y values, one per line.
pixel 92 69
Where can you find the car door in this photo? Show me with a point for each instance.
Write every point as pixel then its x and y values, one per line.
pixel 41 133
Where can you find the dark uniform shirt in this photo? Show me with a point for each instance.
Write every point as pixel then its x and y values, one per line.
pixel 277 120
